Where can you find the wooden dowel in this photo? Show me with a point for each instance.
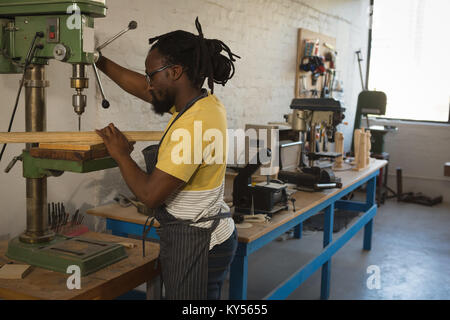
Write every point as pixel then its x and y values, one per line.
pixel 89 136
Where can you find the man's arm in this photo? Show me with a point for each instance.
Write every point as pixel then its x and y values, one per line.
pixel 130 81
pixel 151 189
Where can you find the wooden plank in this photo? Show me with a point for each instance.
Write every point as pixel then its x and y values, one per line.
pixel 116 212
pixel 79 146
pixel 14 271
pixel 88 136
pixel 68 154
pixel 108 283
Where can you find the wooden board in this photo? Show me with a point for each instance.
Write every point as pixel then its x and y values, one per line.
pixel 14 271
pixel 116 212
pixel 108 283
pixel 304 34
pixel 79 146
pixel 68 154
pixel 88 136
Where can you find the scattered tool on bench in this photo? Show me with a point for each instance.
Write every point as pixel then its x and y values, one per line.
pixel 61 222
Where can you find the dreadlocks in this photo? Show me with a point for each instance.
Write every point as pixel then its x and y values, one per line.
pixel 201 57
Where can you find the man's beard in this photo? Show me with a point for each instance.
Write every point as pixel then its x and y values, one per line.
pixel 161 106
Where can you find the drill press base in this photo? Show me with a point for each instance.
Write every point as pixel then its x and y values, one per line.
pixel 58 254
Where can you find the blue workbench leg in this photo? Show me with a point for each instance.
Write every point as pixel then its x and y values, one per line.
pixel 370 200
pixel 298 231
pixel 327 238
pixel 238 275
pixel 368 235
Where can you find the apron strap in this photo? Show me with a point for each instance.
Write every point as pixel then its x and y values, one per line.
pixel 204 94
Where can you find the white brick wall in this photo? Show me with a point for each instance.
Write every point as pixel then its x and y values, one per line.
pixel 262 32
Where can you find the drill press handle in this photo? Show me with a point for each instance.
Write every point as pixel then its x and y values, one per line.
pixel 131 26
pixel 105 103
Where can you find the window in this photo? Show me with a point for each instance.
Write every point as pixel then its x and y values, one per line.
pixel 410 58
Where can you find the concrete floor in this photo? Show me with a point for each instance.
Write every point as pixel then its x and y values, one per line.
pixel 410 247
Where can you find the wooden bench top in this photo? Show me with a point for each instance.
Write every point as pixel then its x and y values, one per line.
pixel 108 283
pixel 304 202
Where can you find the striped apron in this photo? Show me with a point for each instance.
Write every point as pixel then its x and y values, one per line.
pixel 184 248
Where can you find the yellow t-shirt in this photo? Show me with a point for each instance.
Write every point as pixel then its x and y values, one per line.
pixel 194 150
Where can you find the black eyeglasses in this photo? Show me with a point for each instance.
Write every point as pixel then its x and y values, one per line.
pixel 149 76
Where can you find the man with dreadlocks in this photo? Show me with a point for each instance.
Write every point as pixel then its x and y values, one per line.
pixel 197 234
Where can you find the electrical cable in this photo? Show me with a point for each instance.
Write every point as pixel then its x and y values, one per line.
pixel 29 57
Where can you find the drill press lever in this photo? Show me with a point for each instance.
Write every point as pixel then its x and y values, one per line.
pixel 79 100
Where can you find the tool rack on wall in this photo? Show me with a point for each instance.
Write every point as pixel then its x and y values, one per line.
pixel 312 47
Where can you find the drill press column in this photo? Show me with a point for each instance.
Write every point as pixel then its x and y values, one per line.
pixel 36 189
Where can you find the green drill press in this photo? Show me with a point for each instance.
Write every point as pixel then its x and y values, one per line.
pixel 31 33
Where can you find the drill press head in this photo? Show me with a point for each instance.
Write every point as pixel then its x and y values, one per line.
pixel 79 81
pixel 68 28
pixel 310 112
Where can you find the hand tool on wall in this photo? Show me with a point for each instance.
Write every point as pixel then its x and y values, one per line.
pixel 358 54
pixel 303 89
pixel 325 89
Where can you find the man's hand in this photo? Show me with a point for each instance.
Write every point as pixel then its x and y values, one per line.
pixel 115 141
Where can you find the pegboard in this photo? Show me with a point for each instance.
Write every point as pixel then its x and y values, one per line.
pixel 303 36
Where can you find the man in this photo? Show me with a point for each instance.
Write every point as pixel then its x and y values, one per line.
pixel 197 235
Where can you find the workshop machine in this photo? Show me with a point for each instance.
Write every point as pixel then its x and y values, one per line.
pixel 32 32
pixel 266 197
pixel 312 117
pixel 373 103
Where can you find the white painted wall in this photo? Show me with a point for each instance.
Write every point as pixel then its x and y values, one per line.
pixel 263 32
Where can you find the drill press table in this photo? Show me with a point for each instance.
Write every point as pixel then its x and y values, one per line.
pixel 108 283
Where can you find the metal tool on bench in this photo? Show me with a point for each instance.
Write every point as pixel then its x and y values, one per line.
pixel 33 32
pixel 60 221
pixel 264 197
pixel 125 201
pixel 307 115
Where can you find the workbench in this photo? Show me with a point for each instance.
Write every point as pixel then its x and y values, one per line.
pixel 107 283
pixel 124 221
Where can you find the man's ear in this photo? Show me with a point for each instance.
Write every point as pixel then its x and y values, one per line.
pixel 177 72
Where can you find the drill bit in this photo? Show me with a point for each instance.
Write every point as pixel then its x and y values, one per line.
pixel 79 122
